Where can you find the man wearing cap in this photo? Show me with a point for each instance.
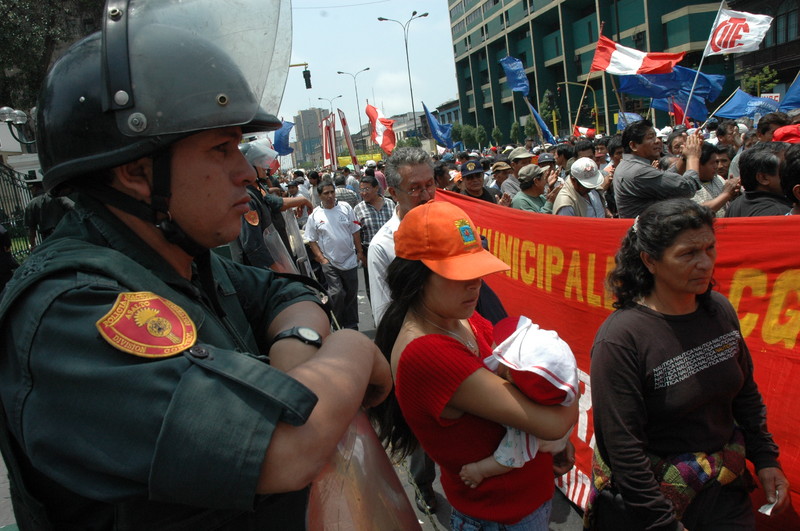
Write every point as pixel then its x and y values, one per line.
pixel 578 196
pixel 532 197
pixel 147 382
pixel 500 172
pixel 472 177
pixel 518 159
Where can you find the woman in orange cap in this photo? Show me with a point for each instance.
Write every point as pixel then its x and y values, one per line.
pixel 444 397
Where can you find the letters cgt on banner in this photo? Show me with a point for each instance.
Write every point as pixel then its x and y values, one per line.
pixel 558 269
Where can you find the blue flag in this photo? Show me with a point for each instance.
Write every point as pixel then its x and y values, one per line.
pixel 698 110
pixel 678 81
pixel 791 100
pixel 743 104
pixel 442 133
pixel 626 118
pixel 515 74
pixel 548 136
pixel 281 143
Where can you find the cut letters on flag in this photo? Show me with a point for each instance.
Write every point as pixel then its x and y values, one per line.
pixel 737 32
pixel 382 132
pixel 622 61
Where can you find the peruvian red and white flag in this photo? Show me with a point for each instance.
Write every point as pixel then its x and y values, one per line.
pixel 583 131
pixel 382 132
pixel 622 61
pixel 737 32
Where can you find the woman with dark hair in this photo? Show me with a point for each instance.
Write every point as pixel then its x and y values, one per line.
pixel 444 397
pixel 676 410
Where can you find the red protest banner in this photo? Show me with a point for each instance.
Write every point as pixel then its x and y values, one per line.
pixel 558 269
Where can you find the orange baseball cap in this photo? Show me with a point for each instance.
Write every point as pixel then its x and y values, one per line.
pixel 442 237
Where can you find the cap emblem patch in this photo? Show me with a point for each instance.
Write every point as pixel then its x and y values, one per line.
pixel 467 234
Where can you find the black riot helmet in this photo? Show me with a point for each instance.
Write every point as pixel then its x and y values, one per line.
pixel 159 71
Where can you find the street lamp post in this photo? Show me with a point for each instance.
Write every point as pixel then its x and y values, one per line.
pixel 408 63
pixel 18 119
pixel 594 97
pixel 358 112
pixel 330 101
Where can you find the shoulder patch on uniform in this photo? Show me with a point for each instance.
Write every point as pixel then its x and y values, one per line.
pixel 252 218
pixel 146 325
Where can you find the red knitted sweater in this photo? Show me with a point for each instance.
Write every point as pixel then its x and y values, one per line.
pixel 430 370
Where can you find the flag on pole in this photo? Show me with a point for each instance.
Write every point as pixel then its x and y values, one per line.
pixel 708 86
pixel 382 129
pixel 349 141
pixel 736 32
pixel 515 75
pixel 743 104
pixel 583 131
pixel 442 133
pixel 625 118
pixel 282 138
pixel 540 125
pixel 791 100
pixel 622 61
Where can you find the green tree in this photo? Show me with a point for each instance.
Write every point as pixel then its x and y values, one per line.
pixel 547 106
pixel 759 82
pixel 530 128
pixel 480 136
pixel 411 141
pixel 32 34
pixel 456 132
pixel 497 135
pixel 516 130
pixel 468 135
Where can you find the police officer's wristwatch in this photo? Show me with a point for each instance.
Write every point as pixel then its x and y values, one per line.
pixel 307 335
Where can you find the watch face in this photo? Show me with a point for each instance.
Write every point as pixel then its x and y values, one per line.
pixel 308 334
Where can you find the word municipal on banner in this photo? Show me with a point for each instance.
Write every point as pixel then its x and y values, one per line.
pixel 557 279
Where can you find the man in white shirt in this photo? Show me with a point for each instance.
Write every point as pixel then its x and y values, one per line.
pixel 335 241
pixel 410 182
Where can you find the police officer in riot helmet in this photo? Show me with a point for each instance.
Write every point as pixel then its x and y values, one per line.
pixel 146 382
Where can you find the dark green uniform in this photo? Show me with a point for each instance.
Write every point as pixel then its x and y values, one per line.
pixel 122 441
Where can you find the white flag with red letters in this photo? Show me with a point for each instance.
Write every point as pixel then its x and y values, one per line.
pixel 737 32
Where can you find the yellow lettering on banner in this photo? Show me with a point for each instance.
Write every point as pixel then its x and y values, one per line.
pixel 505 251
pixel 744 278
pixel 527 274
pixel 773 330
pixel 515 259
pixel 555 265
pixel 574 278
pixel 591 297
pixel 611 263
pixel 540 265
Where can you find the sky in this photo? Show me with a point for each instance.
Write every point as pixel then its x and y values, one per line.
pixel 345 35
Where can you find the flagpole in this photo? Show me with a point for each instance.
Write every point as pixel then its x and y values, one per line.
pixel 702 57
pixel 718 108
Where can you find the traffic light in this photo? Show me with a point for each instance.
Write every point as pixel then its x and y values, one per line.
pixel 307 77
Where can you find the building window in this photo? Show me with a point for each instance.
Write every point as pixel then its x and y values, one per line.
pixel 785 26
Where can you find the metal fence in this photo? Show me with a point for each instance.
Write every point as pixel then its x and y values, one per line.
pixel 14 195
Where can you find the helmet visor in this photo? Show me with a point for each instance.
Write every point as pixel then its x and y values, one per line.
pixel 202 64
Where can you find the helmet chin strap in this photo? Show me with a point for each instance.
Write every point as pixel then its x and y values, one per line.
pixel 159 202
pixel 157 212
